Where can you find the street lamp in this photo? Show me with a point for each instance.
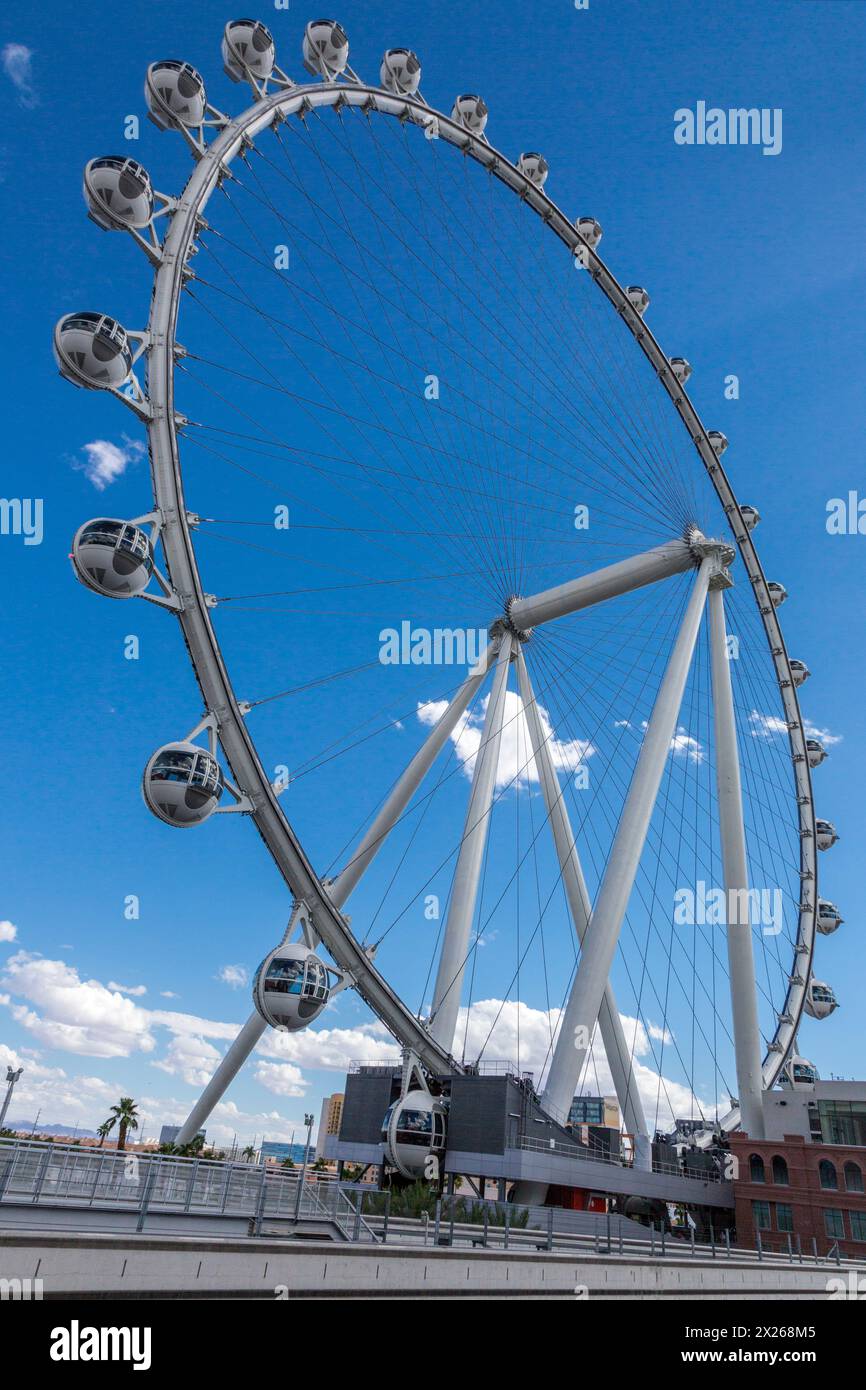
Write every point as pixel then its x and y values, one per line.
pixel 11 1077
pixel 308 1121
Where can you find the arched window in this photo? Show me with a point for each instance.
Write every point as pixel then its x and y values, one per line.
pixel 780 1171
pixel 853 1178
pixel 827 1174
pixel 756 1168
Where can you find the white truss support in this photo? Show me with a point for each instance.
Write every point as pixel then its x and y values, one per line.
pixel 602 936
pixel 467 875
pixel 615 1046
pixel 675 557
pixel 404 789
pixel 741 961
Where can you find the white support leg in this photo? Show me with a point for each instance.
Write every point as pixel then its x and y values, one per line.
pixel 741 963
pixel 222 1078
pixel 467 875
pixel 391 811
pixel 612 1035
pixel 675 557
pixel 602 935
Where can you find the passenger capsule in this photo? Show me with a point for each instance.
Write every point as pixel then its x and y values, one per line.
pixel 325 48
pixel 413 1130
pixel 820 1000
pixel 751 516
pixel 93 351
pixel 291 987
pixel 778 593
pixel 118 192
pixel 815 752
pixel 681 369
pixel 825 834
pixel 175 94
pixel 638 299
pixel 248 50
pixel 799 671
pixel 182 784
pixel 470 112
pixel 590 230
pixel 112 557
pixel 798 1073
pixel 828 917
pixel 718 441
pixel 400 72
pixel 534 167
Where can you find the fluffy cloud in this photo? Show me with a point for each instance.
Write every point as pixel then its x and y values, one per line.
pixel 105 462
pixel 766 725
pixel 516 763
pixel 497 1027
pixel 8 932
pixel 135 990
pixel 62 1099
pixel 190 1057
pixel 233 975
pixel 62 1011
pixel 76 1015
pixel 331 1049
pixel 17 62
pixel 684 746
pixel 282 1078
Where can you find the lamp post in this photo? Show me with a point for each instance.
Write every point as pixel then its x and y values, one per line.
pixel 308 1121
pixel 11 1077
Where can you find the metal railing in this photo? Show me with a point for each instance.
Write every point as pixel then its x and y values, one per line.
pixel 595 1155
pixel 275 1201
pixel 60 1175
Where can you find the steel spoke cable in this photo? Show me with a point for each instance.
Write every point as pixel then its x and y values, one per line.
pixel 413 290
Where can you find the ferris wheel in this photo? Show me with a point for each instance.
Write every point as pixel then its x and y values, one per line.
pixel 603 825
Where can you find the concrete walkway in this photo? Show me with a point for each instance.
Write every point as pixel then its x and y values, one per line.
pixel 118 1266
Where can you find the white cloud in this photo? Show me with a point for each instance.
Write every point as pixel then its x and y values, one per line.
pixel 136 990
pixel 282 1078
pixel 494 1026
pixel 190 1057
pixel 76 1015
pixel 825 736
pixel 17 62
pixel 8 932
pixel 331 1049
pixel 516 763
pixel 105 462
pixel 168 994
pixel 234 975
pixel 683 745
pixel 766 725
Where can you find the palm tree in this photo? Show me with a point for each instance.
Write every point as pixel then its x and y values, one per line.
pixel 248 1153
pixel 125 1116
pixel 104 1130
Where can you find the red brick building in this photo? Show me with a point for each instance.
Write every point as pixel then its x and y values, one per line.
pixel 812 1192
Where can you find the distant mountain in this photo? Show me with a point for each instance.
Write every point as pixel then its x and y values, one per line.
pixel 45 1127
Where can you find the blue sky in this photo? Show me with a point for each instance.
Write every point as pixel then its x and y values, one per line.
pixel 753 265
